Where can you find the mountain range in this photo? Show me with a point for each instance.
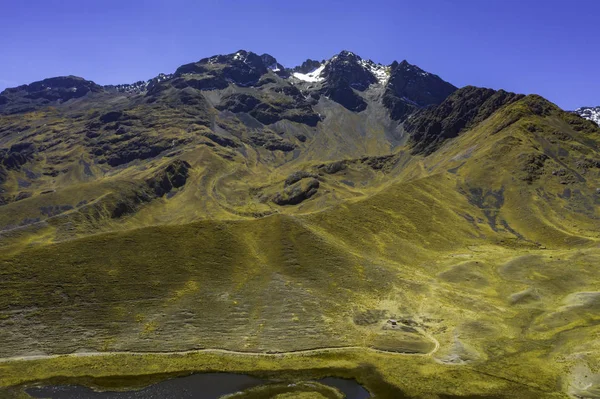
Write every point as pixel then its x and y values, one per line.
pixel 237 204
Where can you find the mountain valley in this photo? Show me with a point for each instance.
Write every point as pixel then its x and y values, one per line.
pixel 341 218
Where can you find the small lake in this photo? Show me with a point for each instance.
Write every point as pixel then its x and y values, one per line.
pixel 197 386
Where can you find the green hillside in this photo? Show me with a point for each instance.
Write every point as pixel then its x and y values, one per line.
pixel 143 231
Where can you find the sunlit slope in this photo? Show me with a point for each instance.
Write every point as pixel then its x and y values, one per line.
pixel 429 251
pixel 533 170
pixel 57 193
pixel 530 168
pixel 251 285
pixel 328 279
pixel 487 188
pixel 238 285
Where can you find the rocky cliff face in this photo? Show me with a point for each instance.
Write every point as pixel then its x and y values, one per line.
pixel 466 107
pixel 410 88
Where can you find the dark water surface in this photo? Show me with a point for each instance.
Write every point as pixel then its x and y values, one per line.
pixel 350 388
pixel 197 386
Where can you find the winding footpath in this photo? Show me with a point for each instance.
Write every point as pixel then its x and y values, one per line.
pixel 231 352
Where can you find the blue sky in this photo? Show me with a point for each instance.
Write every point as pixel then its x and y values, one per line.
pixel 548 47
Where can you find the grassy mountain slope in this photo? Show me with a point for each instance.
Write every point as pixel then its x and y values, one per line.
pixel 186 218
pixel 446 253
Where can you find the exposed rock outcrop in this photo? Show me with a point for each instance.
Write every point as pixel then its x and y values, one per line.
pixel 466 107
pixel 297 192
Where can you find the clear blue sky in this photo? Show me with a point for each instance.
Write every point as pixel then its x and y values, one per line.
pixel 549 47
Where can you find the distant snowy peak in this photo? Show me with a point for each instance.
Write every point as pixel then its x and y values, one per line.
pixel 360 73
pixel 346 65
pixel 591 113
pixel 345 69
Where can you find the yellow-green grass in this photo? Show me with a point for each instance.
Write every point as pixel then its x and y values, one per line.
pixel 287 283
pixel 487 256
pixel 385 376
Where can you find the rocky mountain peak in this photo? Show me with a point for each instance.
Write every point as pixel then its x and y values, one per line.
pixel 413 85
pixel 341 79
pixel 243 68
pixel 58 89
pixel 345 68
pixel 271 63
pixel 349 68
pixel 62 86
pixel 139 86
pixel 249 59
pixel 410 86
pixel 410 69
pixel 242 59
pixel 347 56
pixel 245 60
pixel 307 66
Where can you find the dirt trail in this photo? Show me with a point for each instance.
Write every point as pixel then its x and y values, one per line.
pixel 229 352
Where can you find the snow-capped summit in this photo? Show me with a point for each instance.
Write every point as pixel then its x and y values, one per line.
pixel 345 78
pixel 347 66
pixel 404 86
pixel 591 113
pixel 381 72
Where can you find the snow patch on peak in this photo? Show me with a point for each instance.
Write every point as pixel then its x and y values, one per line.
pixel 591 113
pixel 274 67
pixel 240 55
pixel 381 72
pixel 314 76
